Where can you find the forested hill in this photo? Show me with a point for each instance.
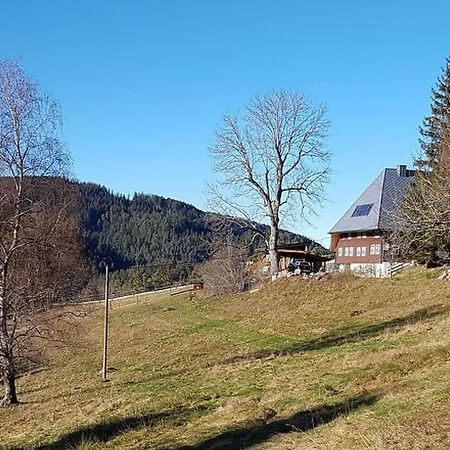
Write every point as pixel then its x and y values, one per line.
pixel 166 235
pixel 142 230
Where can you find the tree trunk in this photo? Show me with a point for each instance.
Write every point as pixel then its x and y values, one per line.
pixel 9 382
pixel 273 253
pixel 7 368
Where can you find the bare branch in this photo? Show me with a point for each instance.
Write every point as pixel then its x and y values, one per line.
pixel 272 159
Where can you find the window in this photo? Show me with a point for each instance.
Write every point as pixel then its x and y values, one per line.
pixel 377 249
pixel 363 251
pixel 340 251
pixel 362 210
pixel 351 251
pixel 346 251
pixel 358 251
pixel 372 249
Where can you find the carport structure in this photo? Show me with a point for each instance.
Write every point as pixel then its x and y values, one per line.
pixel 290 252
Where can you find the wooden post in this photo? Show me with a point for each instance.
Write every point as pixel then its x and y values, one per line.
pixel 105 330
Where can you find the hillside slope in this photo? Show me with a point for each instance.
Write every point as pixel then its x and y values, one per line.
pixel 345 363
pixel 144 228
pixel 168 237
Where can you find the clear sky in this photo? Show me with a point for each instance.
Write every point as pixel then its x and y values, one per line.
pixel 143 84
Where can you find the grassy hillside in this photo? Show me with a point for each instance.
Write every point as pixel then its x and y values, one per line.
pixel 344 363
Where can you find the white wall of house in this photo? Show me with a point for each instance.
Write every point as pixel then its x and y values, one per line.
pixel 377 270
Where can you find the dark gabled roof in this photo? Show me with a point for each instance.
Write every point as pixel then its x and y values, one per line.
pixel 301 246
pixel 375 207
pixel 296 253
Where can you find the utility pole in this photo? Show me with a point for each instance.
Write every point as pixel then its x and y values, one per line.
pixel 105 330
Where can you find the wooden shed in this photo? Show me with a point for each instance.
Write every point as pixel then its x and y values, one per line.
pixel 290 252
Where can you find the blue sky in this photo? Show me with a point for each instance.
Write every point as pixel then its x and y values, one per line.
pixel 143 84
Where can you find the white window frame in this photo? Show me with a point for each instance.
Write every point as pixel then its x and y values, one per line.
pixel 377 249
pixel 340 251
pixel 363 251
pixel 372 249
pixel 346 251
pixel 350 253
pixel 358 251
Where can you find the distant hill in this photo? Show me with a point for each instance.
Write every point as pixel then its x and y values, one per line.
pixel 168 237
pixel 144 229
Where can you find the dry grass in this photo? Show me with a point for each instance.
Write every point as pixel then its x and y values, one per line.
pixel 344 363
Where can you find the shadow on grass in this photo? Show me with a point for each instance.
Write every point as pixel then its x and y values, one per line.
pixel 246 437
pixel 345 336
pixel 328 340
pixel 107 430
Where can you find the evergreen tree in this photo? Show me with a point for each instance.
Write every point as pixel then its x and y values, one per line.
pixel 435 130
pixel 424 222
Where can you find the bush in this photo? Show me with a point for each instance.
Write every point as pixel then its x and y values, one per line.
pixel 225 275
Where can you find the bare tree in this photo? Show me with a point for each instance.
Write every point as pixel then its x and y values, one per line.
pixel 30 151
pixel 226 271
pixel 272 163
pixel 421 229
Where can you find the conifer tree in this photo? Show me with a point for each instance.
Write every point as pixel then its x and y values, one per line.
pixel 435 130
pixel 424 221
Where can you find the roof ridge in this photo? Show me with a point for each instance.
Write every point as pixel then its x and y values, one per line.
pixel 381 195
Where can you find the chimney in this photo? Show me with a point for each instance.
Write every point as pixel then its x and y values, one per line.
pixel 402 171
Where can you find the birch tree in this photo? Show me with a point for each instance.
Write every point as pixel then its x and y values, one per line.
pixel 272 163
pixel 422 223
pixel 30 151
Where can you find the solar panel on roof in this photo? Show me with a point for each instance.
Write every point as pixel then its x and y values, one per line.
pixel 362 210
